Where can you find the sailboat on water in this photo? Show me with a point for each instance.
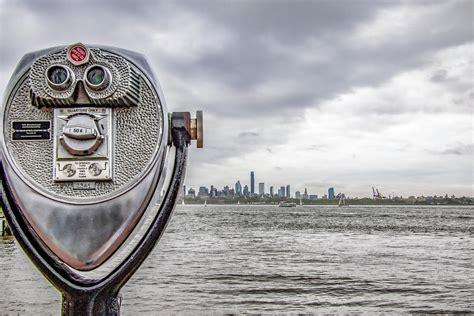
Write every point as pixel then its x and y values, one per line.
pixel 205 203
pixel 342 201
pixel 301 202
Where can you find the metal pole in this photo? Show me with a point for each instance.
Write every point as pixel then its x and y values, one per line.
pixel 91 304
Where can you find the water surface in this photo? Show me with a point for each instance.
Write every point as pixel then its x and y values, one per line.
pixel 265 259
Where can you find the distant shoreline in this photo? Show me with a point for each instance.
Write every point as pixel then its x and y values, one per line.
pixel 359 202
pixel 269 204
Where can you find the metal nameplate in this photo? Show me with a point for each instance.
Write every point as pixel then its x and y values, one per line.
pixel 83 185
pixel 31 130
pixel 82 170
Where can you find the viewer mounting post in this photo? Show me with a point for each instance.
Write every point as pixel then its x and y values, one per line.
pixel 85 139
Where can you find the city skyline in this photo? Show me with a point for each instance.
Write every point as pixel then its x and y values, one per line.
pixel 308 93
pixel 284 192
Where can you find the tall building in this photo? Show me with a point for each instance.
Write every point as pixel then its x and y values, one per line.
pixel 238 188
pixel 282 189
pixel 271 190
pixel 297 195
pixel 288 194
pixel 246 190
pixel 203 192
pixel 261 188
pixel 191 193
pixel 252 183
pixel 331 193
pixel 305 194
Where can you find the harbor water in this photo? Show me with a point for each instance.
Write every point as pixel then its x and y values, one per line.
pixel 305 259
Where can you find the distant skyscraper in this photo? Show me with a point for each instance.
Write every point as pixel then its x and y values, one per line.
pixel 305 194
pixel 252 183
pixel 238 188
pixel 297 195
pixel 282 189
pixel 246 190
pixel 331 193
pixel 261 188
pixel 288 194
pixel 191 193
pixel 203 192
pixel 271 190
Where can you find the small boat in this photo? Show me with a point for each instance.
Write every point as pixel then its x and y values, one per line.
pixel 342 201
pixel 205 203
pixel 286 204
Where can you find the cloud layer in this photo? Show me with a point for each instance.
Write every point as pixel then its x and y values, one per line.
pixel 310 93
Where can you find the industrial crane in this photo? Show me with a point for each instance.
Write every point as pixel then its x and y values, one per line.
pixel 376 194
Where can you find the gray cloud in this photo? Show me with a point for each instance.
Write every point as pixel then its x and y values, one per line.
pixel 317 147
pixel 249 59
pixel 247 134
pixel 327 23
pixel 459 150
pixel 439 76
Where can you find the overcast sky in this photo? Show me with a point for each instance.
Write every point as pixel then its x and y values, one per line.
pixel 349 94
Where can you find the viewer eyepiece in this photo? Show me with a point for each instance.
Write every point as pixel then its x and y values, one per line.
pixel 97 77
pixel 59 77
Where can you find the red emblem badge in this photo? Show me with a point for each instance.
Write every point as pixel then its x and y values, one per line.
pixel 78 54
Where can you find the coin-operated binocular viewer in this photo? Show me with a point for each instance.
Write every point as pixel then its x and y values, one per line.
pixel 85 138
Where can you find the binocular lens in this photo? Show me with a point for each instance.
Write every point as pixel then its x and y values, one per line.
pixel 57 75
pixel 96 75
